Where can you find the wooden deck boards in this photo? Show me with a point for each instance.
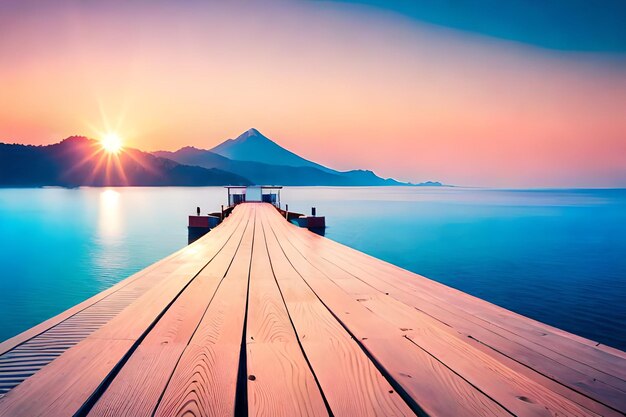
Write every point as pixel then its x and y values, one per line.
pixel 260 317
pixel 498 339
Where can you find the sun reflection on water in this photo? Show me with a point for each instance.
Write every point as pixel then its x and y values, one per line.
pixel 110 253
pixel 109 216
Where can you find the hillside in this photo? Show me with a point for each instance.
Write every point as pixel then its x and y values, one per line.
pixel 80 161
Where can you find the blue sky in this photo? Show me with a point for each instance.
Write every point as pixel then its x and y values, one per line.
pixel 569 25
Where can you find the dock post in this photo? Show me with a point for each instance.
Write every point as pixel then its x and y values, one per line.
pixel 222 214
pixel 287 211
pixel 313 211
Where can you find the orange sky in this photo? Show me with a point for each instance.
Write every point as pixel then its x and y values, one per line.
pixel 347 86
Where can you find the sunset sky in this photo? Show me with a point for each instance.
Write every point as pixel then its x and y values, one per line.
pixel 483 93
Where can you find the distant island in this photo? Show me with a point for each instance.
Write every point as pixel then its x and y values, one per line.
pixel 249 159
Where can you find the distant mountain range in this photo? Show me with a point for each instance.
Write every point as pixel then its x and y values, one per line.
pixel 80 161
pixel 262 161
pixel 251 158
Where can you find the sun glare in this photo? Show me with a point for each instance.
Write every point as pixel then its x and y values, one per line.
pixel 111 143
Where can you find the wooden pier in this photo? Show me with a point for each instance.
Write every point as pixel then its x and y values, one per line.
pixel 260 317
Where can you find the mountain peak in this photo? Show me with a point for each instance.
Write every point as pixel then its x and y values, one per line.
pixel 251 133
pixel 76 139
pixel 189 149
pixel 253 146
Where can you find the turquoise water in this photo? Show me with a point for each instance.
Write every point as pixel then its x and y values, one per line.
pixel 558 256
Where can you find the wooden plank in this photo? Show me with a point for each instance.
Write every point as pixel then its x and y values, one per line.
pixel 32 355
pixel 81 371
pixel 577 376
pixel 205 380
pixel 594 384
pixel 205 389
pixel 585 350
pixel 280 382
pixel 405 318
pixel 408 319
pixel 519 394
pixel 515 390
pixel 435 388
pixel 136 390
pixel 543 366
pixel 351 383
pixel 63 387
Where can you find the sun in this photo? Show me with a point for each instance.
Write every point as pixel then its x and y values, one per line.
pixel 111 142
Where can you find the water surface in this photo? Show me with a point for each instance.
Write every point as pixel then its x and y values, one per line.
pixel 557 256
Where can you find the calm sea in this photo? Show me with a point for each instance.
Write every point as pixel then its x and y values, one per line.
pixel 558 256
